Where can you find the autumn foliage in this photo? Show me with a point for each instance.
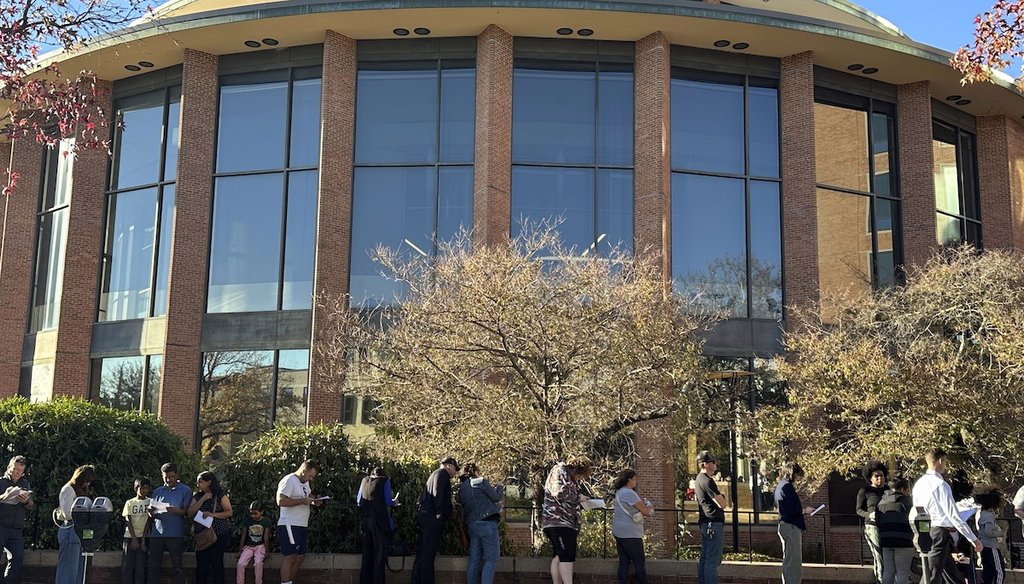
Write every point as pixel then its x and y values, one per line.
pixel 997 42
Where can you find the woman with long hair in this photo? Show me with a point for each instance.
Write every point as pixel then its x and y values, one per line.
pixel 70 563
pixel 211 501
pixel 628 526
pixel 481 505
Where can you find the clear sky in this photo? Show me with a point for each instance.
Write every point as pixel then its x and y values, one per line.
pixel 946 24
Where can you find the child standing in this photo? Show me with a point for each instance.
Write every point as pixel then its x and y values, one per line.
pixel 990 534
pixel 254 544
pixel 137 523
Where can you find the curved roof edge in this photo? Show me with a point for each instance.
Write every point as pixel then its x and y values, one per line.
pixel 864 14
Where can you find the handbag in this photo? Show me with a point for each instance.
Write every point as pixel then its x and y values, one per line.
pixel 637 517
pixel 207 537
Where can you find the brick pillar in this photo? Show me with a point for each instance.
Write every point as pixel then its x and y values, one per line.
pixel 917 178
pixel 334 213
pixel 1001 177
pixel 799 195
pixel 79 288
pixel 492 170
pixel 17 261
pixel 653 235
pixel 186 295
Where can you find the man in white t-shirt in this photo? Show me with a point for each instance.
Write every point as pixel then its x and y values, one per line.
pixel 1018 506
pixel 294 498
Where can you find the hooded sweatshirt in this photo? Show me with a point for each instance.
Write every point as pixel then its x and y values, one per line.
pixel 893 519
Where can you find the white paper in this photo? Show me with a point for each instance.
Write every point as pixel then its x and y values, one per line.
pixel 12 497
pixel 966 508
pixel 590 504
pixel 324 499
pixel 204 521
pixel 159 506
pixel 818 508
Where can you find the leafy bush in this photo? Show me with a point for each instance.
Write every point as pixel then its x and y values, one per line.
pixel 60 435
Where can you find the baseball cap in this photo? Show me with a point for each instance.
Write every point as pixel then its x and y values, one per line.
pixel 451 460
pixel 705 456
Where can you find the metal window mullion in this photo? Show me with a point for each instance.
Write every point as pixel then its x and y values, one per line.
pixel 437 160
pixel 597 149
pixel 872 225
pixel 746 197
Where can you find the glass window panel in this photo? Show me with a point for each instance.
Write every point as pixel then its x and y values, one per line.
pixel 968 162
pixel 120 382
pixel 709 244
pixel 881 142
pixel 173 135
pixel 49 270
pixel 841 147
pixel 348 409
pixel 292 387
pixel 151 401
pixel 844 244
pixel 393 207
pixel 139 142
pixel 251 132
pixel 886 218
pixel 163 253
pixel 235 400
pixel 366 414
pixel 59 165
pixel 458 111
pixel 396 117
pixel 707 126
pixel 245 249
pixel 973 234
pixel 615 119
pixel 550 194
pixel 947 188
pixel 128 258
pixel 455 201
pixel 763 130
pixel 947 229
pixel 553 114
pixel 300 241
pixel 614 210
pixel 765 251
pixel 305 130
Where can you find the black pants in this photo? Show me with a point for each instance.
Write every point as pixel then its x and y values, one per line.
pixel 175 547
pixel 430 537
pixel 375 551
pixel 631 549
pixel 210 562
pixel 991 566
pixel 133 563
pixel 938 564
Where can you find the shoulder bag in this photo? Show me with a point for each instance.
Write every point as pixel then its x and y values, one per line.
pixel 208 536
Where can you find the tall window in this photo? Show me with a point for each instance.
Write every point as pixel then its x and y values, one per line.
pixel 51 236
pixel 265 193
pixel 726 220
pixel 858 193
pixel 245 393
pixel 128 383
pixel 572 151
pixel 956 185
pixel 413 183
pixel 140 207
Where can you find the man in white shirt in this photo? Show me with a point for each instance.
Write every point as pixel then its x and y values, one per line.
pixel 294 498
pixel 1018 506
pixel 933 494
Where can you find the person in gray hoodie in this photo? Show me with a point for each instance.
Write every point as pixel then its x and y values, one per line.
pixel 481 507
pixel 990 534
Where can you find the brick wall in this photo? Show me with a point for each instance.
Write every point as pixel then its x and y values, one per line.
pixel 334 210
pixel 1000 186
pixel 799 199
pixel 917 183
pixel 79 288
pixel 186 295
pixel 492 172
pixel 18 257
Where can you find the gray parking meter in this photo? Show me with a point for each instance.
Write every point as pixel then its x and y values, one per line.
pixel 922 524
pixel 92 520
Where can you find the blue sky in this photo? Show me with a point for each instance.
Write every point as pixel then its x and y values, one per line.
pixel 946 24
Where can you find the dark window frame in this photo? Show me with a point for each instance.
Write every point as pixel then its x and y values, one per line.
pixel 49 169
pixel 966 221
pixel 96 377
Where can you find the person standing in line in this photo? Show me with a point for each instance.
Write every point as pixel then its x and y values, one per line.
pixel 17 491
pixel 294 498
pixel 895 535
pixel 211 501
pixel 70 563
pixel 560 515
pixel 628 526
pixel 791 522
pixel 435 511
pixel 1018 507
pixel 136 532
pixel 934 495
pixel 877 475
pixel 168 506
pixel 254 544
pixel 374 498
pixel 481 506
pixel 711 505
pixel 990 534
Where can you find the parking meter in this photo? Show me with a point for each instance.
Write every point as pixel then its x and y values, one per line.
pixel 922 524
pixel 92 520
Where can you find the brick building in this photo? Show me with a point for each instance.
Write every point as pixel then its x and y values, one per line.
pixel 770 150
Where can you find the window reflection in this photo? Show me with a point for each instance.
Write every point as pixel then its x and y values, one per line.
pixel 128 383
pixel 707 123
pixel 956 187
pixel 51 236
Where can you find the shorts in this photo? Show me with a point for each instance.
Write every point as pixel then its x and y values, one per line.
pixel 563 542
pixel 293 539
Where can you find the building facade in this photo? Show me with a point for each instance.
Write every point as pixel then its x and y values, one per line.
pixel 770 151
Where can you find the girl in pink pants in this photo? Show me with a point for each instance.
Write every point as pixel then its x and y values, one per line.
pixel 255 539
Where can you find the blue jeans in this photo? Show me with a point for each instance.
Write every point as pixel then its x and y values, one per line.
pixel 484 545
pixel 69 558
pixel 12 541
pixel 712 540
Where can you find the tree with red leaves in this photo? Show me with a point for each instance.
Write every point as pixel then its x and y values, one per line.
pixel 998 40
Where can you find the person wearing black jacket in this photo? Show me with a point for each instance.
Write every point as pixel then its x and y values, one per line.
pixel 435 511
pixel 374 498
pixel 876 474
pixel 791 522
pixel 892 517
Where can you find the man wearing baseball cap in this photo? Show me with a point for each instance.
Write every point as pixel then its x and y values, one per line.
pixel 435 510
pixel 711 506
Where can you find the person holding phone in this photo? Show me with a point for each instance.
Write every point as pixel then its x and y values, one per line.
pixel 791 522
pixel 711 510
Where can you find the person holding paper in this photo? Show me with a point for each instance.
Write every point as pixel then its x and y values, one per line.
pixel 481 504
pixel 15 501
pixel 168 506
pixel 711 505
pixel 294 498
pixel 374 498
pixel 560 515
pixel 628 526
pixel 211 509
pixel 435 511
pixel 934 495
pixel 791 522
